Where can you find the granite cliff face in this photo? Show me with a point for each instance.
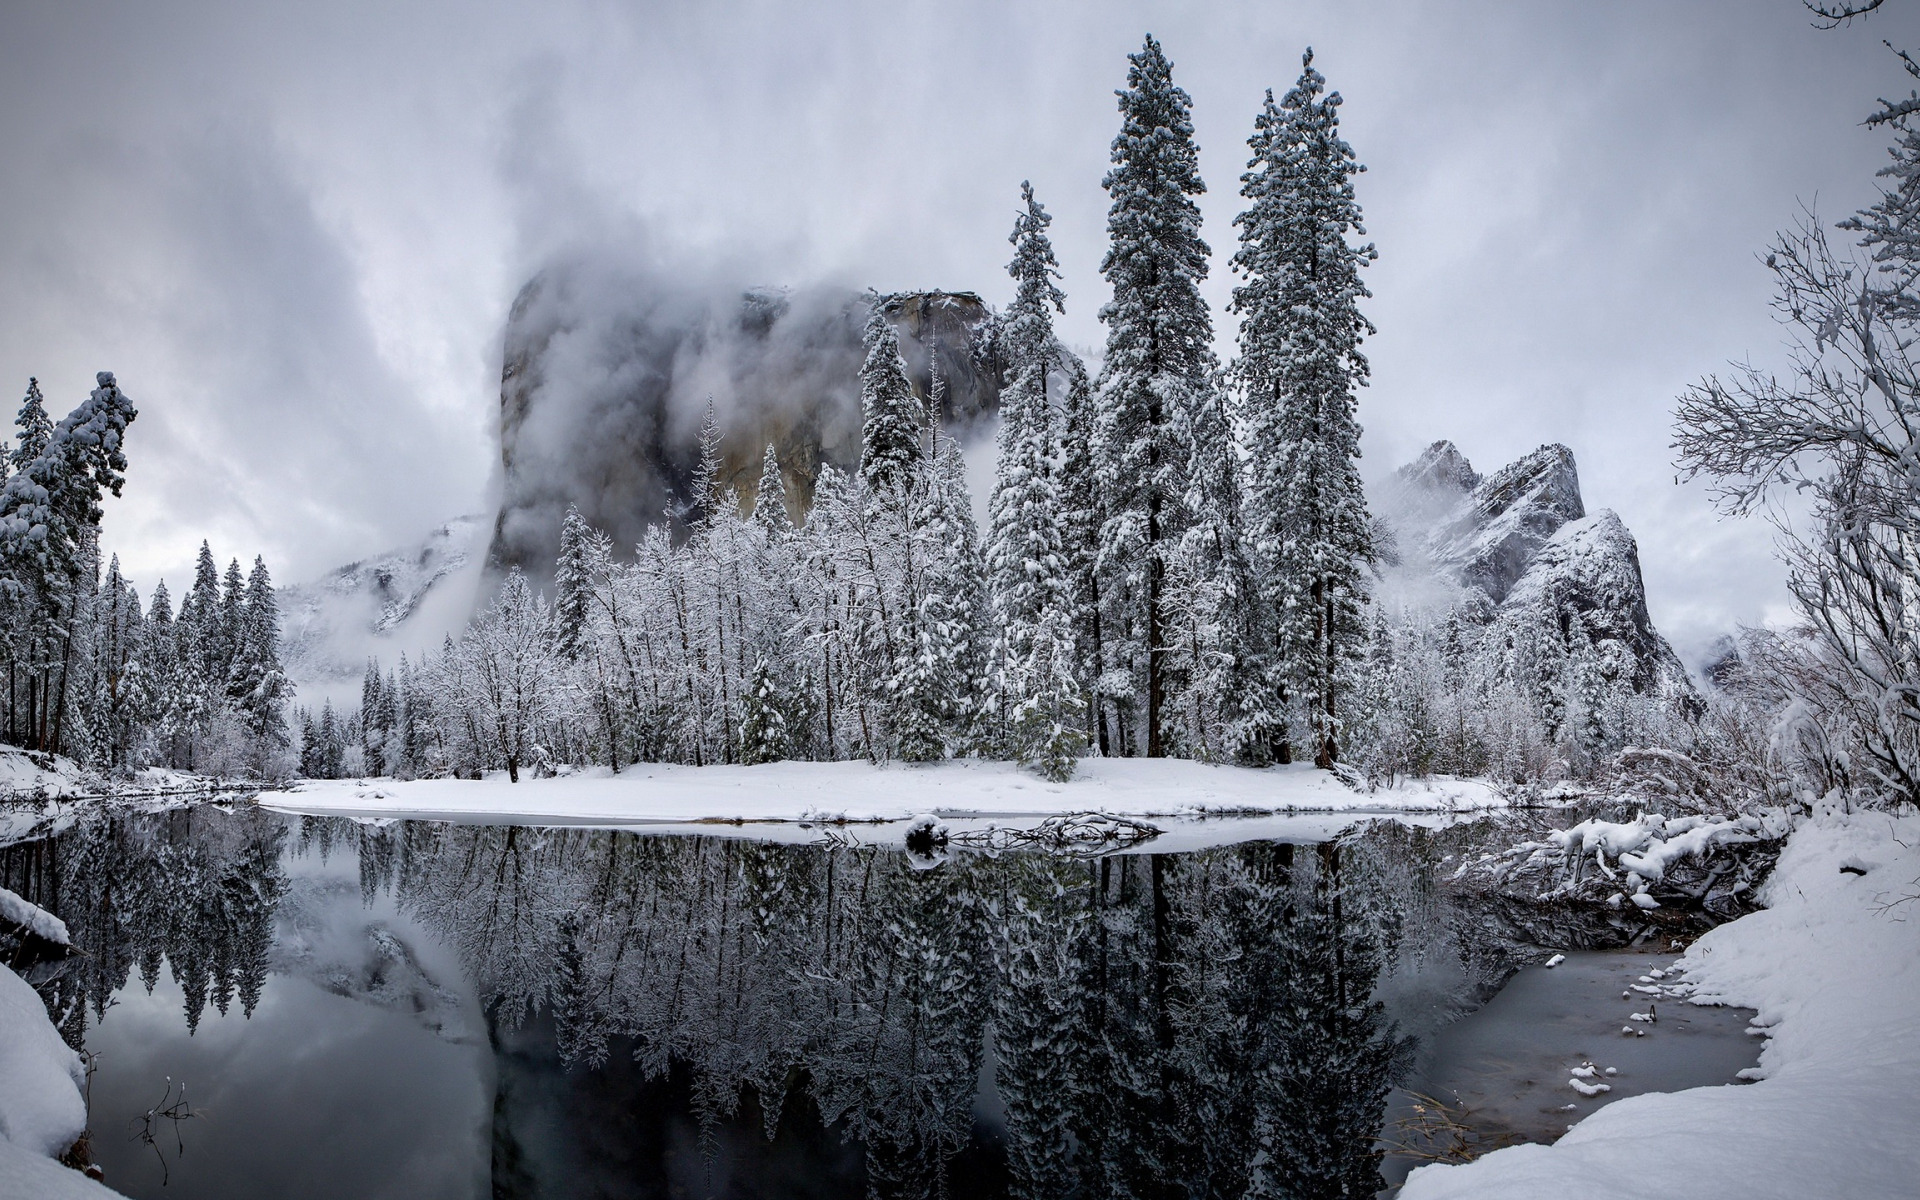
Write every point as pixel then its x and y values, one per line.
pixel 608 373
pixel 1517 553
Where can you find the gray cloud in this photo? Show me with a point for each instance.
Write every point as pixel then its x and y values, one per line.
pixel 295 233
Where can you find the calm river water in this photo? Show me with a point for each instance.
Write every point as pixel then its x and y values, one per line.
pixel 418 1009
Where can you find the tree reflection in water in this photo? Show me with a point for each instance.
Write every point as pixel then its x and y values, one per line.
pixel 757 1019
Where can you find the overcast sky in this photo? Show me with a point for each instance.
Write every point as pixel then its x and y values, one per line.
pixel 294 230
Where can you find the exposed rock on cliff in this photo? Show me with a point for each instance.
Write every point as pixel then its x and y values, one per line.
pixel 608 373
pixel 1507 518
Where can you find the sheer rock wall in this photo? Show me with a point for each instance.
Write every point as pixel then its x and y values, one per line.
pixel 607 374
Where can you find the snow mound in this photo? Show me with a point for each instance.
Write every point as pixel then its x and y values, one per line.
pixel 26 773
pixel 41 1110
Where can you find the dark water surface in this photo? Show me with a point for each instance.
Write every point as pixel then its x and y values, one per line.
pixel 429 1010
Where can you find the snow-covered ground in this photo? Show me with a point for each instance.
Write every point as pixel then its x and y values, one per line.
pixel 859 791
pixel 41 1110
pixel 1833 968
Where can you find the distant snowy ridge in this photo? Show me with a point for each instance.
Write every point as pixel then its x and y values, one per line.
pixel 381 605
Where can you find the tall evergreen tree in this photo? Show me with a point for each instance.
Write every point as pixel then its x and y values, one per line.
pixel 233 603
pixel 1298 369
pixel 1082 516
pixel 572 586
pixel 1028 574
pixel 372 741
pixel 35 427
pixel 1225 706
pixel 933 691
pixel 200 608
pixel 312 753
pixel 770 498
pixel 257 686
pixel 332 743
pixel 1159 359
pixel 50 512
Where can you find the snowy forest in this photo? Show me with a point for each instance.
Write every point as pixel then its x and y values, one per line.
pixel 89 674
pixel 1179 557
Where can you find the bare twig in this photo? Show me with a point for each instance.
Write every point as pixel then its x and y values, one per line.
pixel 1833 16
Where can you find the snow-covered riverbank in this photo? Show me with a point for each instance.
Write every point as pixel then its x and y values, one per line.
pixel 859 791
pixel 1833 968
pixel 42 1111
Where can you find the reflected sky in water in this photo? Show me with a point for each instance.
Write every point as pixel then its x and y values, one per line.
pixel 421 1009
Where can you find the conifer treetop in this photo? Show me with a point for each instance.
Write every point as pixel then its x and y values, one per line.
pixel 892 416
pixel 1156 258
pixel 770 497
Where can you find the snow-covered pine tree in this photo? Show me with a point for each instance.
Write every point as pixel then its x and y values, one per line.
pixel 1159 356
pixel 936 609
pixel 312 757
pixel 1081 519
pixel 35 427
pixel 258 688
pixel 572 586
pixel 332 738
pixel 892 417
pixel 50 511
pixel 957 584
pixel 386 717
pixel 233 602
pixel 763 729
pixel 373 755
pixel 1296 376
pixel 770 498
pixel 116 655
pixel 1027 570
pixel 1222 700
pixel 410 722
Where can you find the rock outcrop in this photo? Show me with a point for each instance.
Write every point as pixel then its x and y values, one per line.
pixel 1518 553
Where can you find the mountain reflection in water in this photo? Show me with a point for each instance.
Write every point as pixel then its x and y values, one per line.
pixel 673 1015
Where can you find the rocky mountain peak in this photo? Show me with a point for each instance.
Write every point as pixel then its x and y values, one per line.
pixel 1589 572
pixel 1516 551
pixel 1441 468
pixel 1507 518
